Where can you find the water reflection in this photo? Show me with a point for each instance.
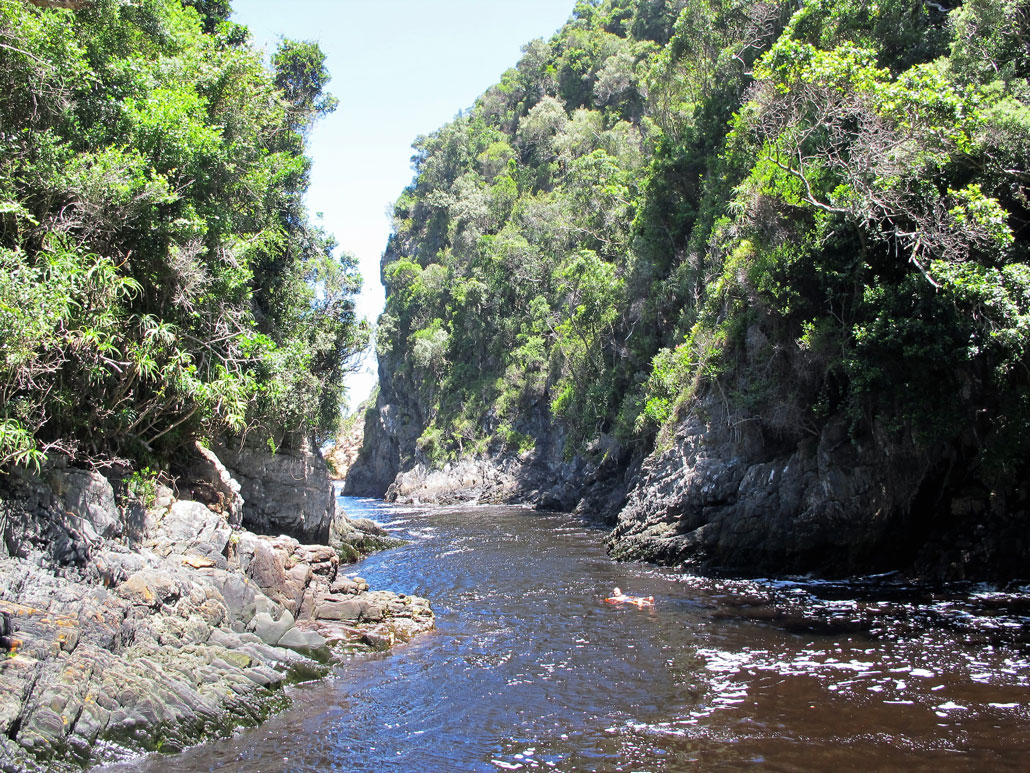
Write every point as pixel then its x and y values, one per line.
pixel 529 670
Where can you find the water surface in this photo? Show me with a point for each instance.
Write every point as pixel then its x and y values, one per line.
pixel 529 670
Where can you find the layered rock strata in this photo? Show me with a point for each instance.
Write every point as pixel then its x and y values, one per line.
pixel 144 629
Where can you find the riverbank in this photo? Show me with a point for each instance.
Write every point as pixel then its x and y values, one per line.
pixel 528 667
pixel 719 494
pixel 128 628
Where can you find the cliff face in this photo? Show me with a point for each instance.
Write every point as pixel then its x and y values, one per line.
pixel 340 457
pixel 747 243
pixel 391 465
pixel 721 496
pixel 721 493
pixel 391 424
pixel 286 492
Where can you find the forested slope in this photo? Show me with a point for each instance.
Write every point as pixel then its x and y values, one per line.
pixel 728 235
pixel 160 282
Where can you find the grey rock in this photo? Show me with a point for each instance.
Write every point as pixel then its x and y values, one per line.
pixel 87 495
pixel 388 428
pixel 142 644
pixel 306 642
pixel 286 492
pixel 271 631
pixel 211 483
pixel 189 526
pixel 372 613
pixel 342 609
pixel 259 562
pixel 241 597
pixel 223 638
pixel 263 676
pixel 722 497
pixel 344 585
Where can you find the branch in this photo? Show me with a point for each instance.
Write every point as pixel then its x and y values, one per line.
pixel 809 196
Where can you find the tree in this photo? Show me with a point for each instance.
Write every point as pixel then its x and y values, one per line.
pixel 301 76
pixel 156 253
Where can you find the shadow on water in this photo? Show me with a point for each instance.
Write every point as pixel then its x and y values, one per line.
pixel 529 670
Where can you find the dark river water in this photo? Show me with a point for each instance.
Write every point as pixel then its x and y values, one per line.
pixel 528 669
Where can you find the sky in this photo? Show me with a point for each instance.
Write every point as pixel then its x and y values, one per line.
pixel 400 68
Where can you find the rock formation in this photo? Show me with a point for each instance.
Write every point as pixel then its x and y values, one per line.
pixel 344 452
pixel 721 492
pixel 284 491
pixel 132 628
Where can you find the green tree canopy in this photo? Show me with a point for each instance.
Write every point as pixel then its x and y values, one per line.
pixel 160 279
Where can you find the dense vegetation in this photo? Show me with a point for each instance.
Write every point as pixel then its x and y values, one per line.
pixel 159 279
pixel 803 212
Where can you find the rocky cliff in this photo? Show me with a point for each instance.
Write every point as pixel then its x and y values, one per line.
pixel 285 490
pixel 722 491
pixel 340 457
pixel 391 465
pixel 720 494
pixel 147 623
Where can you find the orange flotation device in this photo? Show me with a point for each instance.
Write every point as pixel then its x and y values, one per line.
pixel 618 597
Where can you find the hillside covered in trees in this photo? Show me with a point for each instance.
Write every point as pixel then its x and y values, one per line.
pixel 160 282
pixel 802 229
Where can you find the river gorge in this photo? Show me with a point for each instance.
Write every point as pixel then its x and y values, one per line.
pixel 528 669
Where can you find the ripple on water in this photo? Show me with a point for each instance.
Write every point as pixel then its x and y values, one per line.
pixel 528 669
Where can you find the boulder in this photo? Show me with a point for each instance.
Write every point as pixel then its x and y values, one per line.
pixel 309 643
pixel 285 492
pixel 340 609
pixel 190 527
pixel 87 497
pixel 270 631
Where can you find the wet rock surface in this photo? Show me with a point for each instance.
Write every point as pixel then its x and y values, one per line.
pixel 111 645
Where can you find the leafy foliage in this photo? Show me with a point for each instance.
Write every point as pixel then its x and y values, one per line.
pixel 816 210
pixel 160 280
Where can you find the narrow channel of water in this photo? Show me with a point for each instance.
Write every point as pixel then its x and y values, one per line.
pixel 529 670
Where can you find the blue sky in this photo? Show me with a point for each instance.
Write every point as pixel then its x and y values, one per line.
pixel 400 68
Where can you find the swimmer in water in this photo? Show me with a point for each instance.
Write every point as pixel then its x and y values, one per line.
pixel 618 597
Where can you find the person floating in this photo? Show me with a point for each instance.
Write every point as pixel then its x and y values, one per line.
pixel 618 597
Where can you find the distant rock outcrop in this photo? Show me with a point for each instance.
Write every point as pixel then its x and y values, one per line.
pixel 340 457
pixel 389 426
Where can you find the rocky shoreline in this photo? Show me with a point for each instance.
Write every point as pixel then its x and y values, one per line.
pixel 127 628
pixel 719 493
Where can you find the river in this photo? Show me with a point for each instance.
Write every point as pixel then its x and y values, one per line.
pixel 528 669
